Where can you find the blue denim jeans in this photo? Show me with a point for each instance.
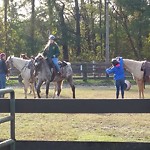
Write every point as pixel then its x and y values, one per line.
pixel 2 81
pixel 119 86
pixel 55 61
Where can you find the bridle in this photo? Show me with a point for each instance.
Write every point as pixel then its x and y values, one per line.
pixel 10 62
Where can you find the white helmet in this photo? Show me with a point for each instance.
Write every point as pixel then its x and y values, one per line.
pixel 51 37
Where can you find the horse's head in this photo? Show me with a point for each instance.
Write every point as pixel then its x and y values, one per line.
pixel 9 62
pixel 38 61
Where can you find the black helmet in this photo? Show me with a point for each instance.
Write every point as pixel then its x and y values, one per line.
pixel 115 62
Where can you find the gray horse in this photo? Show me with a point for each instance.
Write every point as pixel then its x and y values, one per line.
pixel 46 74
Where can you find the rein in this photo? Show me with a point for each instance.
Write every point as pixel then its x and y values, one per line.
pixel 25 66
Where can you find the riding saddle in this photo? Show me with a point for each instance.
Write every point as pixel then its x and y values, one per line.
pixel 53 67
pixel 146 68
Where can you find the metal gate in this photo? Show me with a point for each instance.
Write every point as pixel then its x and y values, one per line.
pixel 11 118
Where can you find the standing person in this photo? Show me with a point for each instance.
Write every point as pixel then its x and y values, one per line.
pixel 118 70
pixel 52 52
pixel 24 56
pixel 3 71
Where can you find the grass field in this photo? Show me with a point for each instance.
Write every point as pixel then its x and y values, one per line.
pixel 82 127
pixel 87 92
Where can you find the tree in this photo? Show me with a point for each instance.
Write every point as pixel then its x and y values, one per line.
pixel 6 4
pixel 78 36
pixel 32 44
pixel 60 8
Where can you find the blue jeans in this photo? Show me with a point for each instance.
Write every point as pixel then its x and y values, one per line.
pixel 2 81
pixel 55 61
pixel 119 86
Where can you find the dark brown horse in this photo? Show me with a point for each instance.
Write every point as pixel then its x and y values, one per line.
pixel 47 75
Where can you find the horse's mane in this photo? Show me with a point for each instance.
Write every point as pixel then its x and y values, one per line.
pixel 44 63
pixel 39 54
pixel 18 58
pixel 132 61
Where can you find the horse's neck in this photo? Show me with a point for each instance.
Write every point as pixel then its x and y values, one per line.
pixel 131 64
pixel 45 66
pixel 134 67
pixel 19 63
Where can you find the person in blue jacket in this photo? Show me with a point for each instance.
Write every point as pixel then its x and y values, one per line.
pixel 119 76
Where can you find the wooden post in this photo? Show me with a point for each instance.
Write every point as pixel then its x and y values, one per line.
pixel 84 69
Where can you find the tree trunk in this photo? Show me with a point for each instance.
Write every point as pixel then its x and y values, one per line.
pixel 33 27
pixel 93 39
pixel 50 11
pixel 100 26
pixel 77 16
pixel 64 30
pixel 6 3
pixel 85 18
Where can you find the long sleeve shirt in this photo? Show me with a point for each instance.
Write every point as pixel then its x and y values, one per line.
pixel 3 67
pixel 53 50
pixel 117 70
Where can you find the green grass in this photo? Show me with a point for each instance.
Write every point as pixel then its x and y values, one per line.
pixel 82 127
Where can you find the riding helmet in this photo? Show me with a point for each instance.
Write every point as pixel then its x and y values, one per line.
pixel 114 62
pixel 51 37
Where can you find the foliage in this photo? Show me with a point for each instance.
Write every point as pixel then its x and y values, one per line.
pixel 23 30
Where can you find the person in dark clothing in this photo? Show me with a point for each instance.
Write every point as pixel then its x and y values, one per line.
pixel 119 76
pixel 3 71
pixel 52 52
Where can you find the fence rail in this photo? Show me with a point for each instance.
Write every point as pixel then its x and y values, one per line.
pixel 83 70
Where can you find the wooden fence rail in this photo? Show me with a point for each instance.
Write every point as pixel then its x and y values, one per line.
pixel 82 71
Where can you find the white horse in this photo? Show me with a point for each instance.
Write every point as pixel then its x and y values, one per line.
pixel 134 67
pixel 23 66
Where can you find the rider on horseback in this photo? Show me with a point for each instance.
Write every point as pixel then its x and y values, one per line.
pixel 52 53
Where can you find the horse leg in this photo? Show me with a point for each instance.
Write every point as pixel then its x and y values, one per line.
pixel 25 88
pixel 55 89
pixel 38 88
pixel 70 81
pixel 59 87
pixel 141 88
pixel 32 88
pixel 47 88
